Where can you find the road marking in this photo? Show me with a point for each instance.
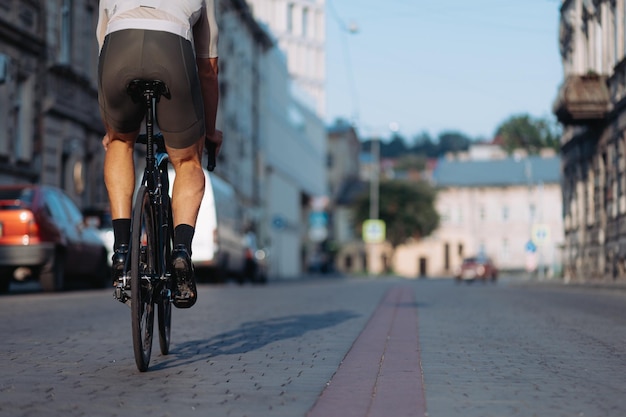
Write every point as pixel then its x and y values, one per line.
pixel 381 375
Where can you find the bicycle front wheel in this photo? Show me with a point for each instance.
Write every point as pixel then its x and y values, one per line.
pixel 143 262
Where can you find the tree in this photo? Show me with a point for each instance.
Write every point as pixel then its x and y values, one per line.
pixel 407 208
pixel 410 162
pixel 526 132
pixel 453 142
pixel 424 145
pixel 395 148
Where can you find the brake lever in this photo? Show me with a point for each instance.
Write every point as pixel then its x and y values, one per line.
pixel 210 148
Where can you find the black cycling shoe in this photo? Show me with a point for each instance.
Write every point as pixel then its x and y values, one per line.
pixel 185 294
pixel 119 260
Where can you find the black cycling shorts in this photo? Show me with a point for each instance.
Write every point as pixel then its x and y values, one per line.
pixel 155 55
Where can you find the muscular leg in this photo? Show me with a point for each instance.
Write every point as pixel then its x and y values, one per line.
pixel 188 187
pixel 119 172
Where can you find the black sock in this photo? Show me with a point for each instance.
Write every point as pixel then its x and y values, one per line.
pixel 121 231
pixel 183 234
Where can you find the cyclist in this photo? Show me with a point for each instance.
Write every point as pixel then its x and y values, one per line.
pixel 176 42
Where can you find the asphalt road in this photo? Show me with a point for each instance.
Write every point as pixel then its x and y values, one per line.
pixel 509 349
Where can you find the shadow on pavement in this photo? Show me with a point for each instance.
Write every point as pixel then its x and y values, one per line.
pixel 251 336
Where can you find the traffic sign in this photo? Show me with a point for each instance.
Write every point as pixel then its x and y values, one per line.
pixel 540 234
pixel 278 222
pixel 374 231
pixel 531 247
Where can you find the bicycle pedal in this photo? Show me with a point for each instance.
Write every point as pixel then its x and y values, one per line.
pixel 120 295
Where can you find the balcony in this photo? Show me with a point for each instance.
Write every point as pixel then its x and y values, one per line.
pixel 582 99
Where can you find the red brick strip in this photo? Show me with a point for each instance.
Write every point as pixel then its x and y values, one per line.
pixel 381 375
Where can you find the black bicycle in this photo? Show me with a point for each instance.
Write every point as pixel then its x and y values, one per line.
pixel 147 273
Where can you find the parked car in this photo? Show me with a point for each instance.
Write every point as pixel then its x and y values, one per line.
pixel 218 247
pixel 477 267
pixel 100 219
pixel 43 236
pixel 255 269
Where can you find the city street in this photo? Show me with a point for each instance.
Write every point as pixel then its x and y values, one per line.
pixel 325 347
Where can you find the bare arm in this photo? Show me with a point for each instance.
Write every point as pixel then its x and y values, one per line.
pixel 207 72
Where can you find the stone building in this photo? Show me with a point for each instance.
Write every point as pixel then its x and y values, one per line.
pixel 50 127
pixel 591 107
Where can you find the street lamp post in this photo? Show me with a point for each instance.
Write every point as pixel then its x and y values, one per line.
pixel 375 249
pixel 375 179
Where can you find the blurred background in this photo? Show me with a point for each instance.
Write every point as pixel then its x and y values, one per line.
pixel 365 137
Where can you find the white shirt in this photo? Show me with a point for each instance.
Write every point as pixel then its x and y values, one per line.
pixel 194 20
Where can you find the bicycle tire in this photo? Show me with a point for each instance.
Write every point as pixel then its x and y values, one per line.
pixel 142 263
pixel 165 302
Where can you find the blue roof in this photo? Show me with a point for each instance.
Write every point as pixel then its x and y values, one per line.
pixel 498 172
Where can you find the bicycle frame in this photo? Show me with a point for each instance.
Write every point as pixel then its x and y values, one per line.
pixel 156 180
pixel 147 273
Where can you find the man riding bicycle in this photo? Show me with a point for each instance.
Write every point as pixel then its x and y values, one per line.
pixel 175 42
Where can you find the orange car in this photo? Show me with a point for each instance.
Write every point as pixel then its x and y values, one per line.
pixel 477 267
pixel 43 236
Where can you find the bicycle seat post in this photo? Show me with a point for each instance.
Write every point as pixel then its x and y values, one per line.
pixel 150 91
pixel 149 97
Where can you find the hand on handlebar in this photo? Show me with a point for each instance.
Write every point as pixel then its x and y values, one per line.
pixel 213 144
pixel 106 140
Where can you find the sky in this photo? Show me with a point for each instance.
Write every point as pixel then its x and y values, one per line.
pixel 440 65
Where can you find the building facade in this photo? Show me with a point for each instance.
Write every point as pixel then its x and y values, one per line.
pixel 591 105
pixel 508 209
pixel 300 28
pixel 345 186
pixel 50 127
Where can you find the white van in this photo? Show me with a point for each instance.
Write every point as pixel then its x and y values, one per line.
pixel 219 240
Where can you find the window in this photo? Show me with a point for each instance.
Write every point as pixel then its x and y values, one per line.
pixel 505 248
pixel 87 42
pixel 615 31
pixel 444 214
pixel 73 212
pixel 290 9
pixel 65 53
pixel 623 32
pixel 305 22
pixel 505 213
pixel 5 105
pixel 23 111
pixel 598 50
pixel 55 206
pixel 482 213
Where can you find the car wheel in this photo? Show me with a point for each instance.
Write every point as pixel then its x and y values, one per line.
pixel 5 279
pixel 52 274
pixel 102 274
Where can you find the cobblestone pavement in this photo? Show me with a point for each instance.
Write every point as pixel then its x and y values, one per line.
pixel 265 351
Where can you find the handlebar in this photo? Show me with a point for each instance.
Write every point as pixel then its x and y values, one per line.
pixel 210 148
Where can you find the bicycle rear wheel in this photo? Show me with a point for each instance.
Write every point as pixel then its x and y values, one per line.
pixel 143 263
pixel 165 300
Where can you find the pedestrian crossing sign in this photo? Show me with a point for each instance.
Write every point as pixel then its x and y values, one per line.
pixel 374 231
pixel 540 234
